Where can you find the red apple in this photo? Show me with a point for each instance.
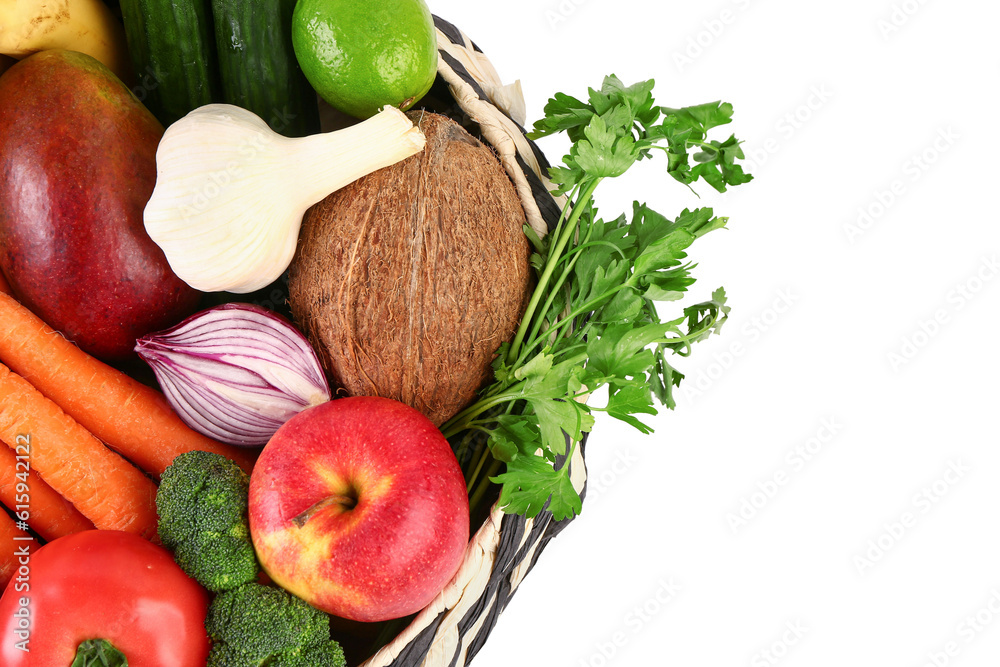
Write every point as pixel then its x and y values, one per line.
pixel 358 506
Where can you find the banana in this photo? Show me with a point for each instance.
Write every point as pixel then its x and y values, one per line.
pixel 87 26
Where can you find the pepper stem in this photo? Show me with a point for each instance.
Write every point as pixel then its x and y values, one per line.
pixel 98 653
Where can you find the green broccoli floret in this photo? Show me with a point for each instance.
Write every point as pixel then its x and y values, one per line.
pixel 202 503
pixel 226 655
pixel 327 654
pixel 256 625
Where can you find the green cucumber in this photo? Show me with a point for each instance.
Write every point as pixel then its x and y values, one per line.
pixel 257 65
pixel 173 49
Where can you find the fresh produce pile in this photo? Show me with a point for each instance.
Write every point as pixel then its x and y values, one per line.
pixel 259 382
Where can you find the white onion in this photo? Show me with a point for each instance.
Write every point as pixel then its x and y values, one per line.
pixel 235 372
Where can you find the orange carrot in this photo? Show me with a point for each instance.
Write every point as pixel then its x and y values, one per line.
pixel 133 419
pixel 107 489
pixel 15 546
pixel 49 514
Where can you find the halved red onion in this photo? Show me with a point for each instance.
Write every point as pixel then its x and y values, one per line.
pixel 235 372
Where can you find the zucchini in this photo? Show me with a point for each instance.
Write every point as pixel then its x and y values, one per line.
pixel 173 49
pixel 257 65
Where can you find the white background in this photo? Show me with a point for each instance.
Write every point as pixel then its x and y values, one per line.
pixel 875 551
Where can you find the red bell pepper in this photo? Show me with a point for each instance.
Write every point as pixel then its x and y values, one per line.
pixel 102 584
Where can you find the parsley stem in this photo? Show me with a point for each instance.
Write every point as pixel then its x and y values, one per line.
pixel 555 253
pixel 553 291
pixel 702 144
pixel 484 484
pixel 475 472
pixel 563 321
pixel 461 421
pixel 590 244
pixel 465 448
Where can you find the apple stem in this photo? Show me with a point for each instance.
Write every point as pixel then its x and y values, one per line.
pixel 347 502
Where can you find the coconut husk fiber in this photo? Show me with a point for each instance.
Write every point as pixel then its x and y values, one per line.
pixel 408 280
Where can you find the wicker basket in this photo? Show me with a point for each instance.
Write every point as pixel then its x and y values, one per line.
pixel 451 630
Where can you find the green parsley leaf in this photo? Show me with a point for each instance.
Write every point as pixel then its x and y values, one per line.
pixel 513 436
pixel 604 153
pixel 686 129
pixel 562 113
pixel 531 484
pixel 630 400
pixel 593 320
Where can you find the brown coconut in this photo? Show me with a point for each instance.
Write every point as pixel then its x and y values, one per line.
pixel 408 280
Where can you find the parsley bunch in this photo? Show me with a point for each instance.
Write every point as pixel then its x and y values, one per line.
pixel 592 319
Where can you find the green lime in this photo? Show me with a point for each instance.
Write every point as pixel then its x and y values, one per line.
pixel 361 56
